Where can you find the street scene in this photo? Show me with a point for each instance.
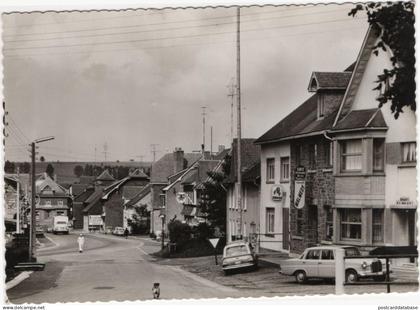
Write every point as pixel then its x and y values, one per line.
pixel 226 152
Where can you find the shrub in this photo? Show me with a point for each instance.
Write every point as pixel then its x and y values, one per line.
pixel 203 231
pixel 179 233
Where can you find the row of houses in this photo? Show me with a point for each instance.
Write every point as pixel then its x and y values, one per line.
pixel 336 170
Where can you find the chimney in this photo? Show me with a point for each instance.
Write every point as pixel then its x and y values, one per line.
pixel 206 155
pixel 178 159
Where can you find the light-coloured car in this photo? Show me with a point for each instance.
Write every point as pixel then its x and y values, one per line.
pixel 118 231
pixel 239 255
pixel 319 262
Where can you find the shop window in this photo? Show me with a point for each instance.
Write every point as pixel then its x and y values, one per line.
pixel 408 152
pixel 270 169
pixel 351 155
pixel 377 225
pixel 269 221
pixel 351 224
pixel 378 154
pixel 329 223
pixel 299 222
pixel 284 168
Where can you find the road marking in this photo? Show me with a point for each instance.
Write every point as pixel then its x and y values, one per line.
pixel 22 276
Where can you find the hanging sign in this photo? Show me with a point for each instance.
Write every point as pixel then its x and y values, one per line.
pixel 299 201
pixel 181 197
pixel 300 173
pixel 276 193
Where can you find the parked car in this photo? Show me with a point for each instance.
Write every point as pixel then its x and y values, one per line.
pixel 118 231
pixel 239 255
pixel 39 230
pixel 319 262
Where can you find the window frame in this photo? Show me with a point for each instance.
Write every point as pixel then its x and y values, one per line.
pixel 409 143
pixel 345 155
pixel 329 223
pixel 284 161
pixel 320 107
pixel 270 170
pixel 380 224
pixel 270 215
pixel 381 153
pixel 349 223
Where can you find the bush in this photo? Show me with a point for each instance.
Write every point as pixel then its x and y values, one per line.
pixel 203 231
pixel 179 233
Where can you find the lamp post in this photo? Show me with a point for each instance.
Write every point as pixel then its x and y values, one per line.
pixel 33 196
pixel 162 216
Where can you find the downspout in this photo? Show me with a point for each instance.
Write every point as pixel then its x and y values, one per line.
pixel 325 135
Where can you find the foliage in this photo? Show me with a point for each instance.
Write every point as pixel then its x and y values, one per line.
pixel 42 159
pixel 24 167
pixel 78 171
pixel 9 167
pixel 394 22
pixel 50 171
pixel 179 233
pixel 203 231
pixel 140 221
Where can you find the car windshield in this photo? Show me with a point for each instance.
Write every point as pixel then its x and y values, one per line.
pixel 237 250
pixel 352 252
pixel 61 222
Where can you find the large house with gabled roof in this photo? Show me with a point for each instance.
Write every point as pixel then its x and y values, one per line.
pixel 352 165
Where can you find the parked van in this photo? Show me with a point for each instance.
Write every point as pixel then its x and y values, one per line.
pixel 61 224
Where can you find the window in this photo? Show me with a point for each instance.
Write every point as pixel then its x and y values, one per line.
pixel 313 254
pixel 312 156
pixel 378 154
pixel 284 169
pixel 351 155
pixel 408 152
pixel 321 107
pixel 60 202
pixel 269 221
pixel 60 212
pixel 299 222
pixel 329 228
pixel 377 225
pixel 351 223
pixel 270 169
pixel 48 202
pixel 327 254
pixel 162 200
pixel 328 154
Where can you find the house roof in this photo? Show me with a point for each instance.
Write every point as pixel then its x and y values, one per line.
pixel 164 167
pixel 130 192
pixel 252 173
pixel 45 182
pixel 105 176
pixel 250 155
pixel 138 173
pixel 361 119
pixel 331 80
pixel 83 196
pixel 140 195
pixel 93 199
pixel 79 188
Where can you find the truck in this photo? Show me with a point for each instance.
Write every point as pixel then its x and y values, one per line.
pixel 61 224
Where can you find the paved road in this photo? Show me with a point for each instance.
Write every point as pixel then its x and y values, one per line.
pixel 111 268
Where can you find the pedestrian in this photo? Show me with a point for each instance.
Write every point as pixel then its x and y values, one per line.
pixel 156 290
pixel 81 242
pixel 126 233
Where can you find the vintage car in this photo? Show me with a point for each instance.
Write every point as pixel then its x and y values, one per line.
pixel 239 255
pixel 319 262
pixel 118 231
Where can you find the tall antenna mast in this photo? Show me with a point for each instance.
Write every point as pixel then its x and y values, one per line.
pixel 211 142
pixel 238 97
pixel 204 127
pixel 231 94
pixel 153 146
pixel 105 150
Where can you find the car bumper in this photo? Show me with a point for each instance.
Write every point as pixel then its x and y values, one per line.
pixel 238 266
pixel 366 274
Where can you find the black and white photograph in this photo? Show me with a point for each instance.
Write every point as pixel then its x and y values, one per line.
pixel 200 152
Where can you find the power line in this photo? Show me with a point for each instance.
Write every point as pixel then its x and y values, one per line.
pixel 149 30
pixel 175 37
pixel 11 56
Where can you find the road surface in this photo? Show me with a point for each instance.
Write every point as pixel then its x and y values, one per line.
pixel 110 268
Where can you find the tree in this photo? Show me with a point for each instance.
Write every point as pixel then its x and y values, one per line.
pixel 394 24
pixel 42 158
pixel 50 171
pixel 9 167
pixel 24 167
pixel 78 171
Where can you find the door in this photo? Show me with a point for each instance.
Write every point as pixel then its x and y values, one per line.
pixel 326 265
pixel 285 228
pixel 311 263
pixel 411 230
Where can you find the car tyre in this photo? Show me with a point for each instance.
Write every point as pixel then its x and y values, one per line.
pixel 351 276
pixel 300 276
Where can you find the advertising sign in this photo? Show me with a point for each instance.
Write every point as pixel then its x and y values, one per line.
pixel 276 193
pixel 299 201
pixel 181 197
pixel 300 173
pixel 95 220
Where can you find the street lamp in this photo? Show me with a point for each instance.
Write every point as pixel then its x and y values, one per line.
pixel 162 216
pixel 33 195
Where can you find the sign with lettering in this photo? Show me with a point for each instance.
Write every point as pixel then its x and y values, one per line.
pixel 300 173
pixel 181 197
pixel 299 201
pixel 276 192
pixel 404 202
pixel 95 220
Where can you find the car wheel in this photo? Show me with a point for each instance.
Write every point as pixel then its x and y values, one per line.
pixel 300 276
pixel 351 276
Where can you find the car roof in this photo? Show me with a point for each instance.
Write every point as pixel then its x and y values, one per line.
pixel 330 247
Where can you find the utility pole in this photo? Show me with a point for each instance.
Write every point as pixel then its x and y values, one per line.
pixel 204 127
pixel 95 154
pixel 33 194
pixel 211 142
pixel 231 94
pixel 153 146
pixel 18 203
pixel 238 97
pixel 105 150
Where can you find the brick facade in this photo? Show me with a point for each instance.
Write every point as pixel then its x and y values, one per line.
pixel 313 154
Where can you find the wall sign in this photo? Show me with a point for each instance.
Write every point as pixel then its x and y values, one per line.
pixel 299 201
pixel 300 173
pixel 181 197
pixel 277 193
pixel 95 220
pixel 404 202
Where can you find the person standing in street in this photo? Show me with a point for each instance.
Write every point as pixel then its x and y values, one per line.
pixel 81 242
pixel 126 233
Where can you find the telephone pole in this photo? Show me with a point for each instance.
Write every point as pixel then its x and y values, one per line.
pixel 231 94
pixel 105 150
pixel 238 97
pixel 154 151
pixel 204 127
pixel 18 203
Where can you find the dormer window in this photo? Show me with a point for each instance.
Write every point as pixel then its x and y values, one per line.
pixel 313 85
pixel 321 107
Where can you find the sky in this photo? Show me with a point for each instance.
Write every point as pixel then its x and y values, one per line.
pixel 112 83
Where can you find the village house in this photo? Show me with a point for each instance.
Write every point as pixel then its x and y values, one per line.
pixel 139 206
pixel 352 165
pixel 250 163
pixel 162 173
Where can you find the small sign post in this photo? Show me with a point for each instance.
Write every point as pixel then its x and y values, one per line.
pixel 214 242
